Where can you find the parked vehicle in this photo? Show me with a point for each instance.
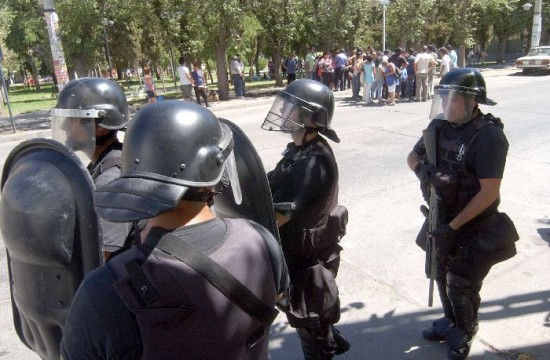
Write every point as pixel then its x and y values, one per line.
pixel 538 59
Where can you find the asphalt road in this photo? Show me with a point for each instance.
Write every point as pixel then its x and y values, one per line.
pixel 383 289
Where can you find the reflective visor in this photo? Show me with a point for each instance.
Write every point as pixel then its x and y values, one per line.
pixel 76 128
pixel 230 164
pixel 453 105
pixel 288 114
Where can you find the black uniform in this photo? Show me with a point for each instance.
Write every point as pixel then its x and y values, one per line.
pixel 465 154
pixel 193 312
pixel 106 169
pixel 308 176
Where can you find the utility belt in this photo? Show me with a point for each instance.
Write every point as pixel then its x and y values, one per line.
pixel 492 233
pixel 495 235
pixel 320 241
pixel 313 297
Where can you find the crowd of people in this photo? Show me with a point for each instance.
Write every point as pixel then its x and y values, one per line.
pixel 375 76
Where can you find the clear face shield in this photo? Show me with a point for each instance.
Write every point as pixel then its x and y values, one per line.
pixel 76 129
pixel 453 105
pixel 288 114
pixel 231 173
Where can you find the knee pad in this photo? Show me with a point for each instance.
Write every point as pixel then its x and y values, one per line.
pixel 458 285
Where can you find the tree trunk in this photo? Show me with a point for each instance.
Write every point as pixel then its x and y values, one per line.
pixel 277 61
pixel 80 68
pixel 257 56
pixel 221 69
pixel 501 49
pixel 34 71
pixel 461 55
pixel 209 70
pixel 2 98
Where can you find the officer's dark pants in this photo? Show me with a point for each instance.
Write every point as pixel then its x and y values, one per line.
pixel 459 275
pixel 318 343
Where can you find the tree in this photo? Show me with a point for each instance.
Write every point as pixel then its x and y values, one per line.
pixel 280 18
pixel 508 20
pixel 27 36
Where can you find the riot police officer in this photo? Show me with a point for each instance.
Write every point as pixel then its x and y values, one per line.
pixel 154 299
pixel 88 113
pixel 471 234
pixel 307 177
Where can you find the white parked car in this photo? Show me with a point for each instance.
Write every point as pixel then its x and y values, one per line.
pixel 538 59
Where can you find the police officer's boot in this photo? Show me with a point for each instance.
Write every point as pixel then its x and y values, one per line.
pixel 439 328
pixel 342 343
pixel 462 295
pixel 314 346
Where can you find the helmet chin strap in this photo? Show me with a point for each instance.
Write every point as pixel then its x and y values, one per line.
pixel 308 130
pixel 470 116
pixel 103 139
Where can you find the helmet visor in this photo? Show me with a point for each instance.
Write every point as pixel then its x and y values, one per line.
pixel 453 105
pixel 287 115
pixel 230 164
pixel 76 129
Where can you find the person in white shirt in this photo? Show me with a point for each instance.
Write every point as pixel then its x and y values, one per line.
pixel 446 62
pixel 186 81
pixel 453 55
pixel 237 76
pixel 422 66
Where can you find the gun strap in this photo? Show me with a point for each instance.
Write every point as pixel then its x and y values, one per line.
pixel 219 277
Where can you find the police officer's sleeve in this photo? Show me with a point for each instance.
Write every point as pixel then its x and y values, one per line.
pixel 419 147
pixel 114 234
pixel 490 151
pixel 308 178
pixel 99 326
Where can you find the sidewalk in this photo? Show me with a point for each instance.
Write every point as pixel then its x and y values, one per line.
pixel 37 124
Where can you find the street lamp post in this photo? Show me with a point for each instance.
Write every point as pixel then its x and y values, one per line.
pixel 106 23
pixel 537 22
pixel 384 3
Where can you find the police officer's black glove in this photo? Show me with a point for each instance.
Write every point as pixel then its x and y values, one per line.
pixel 444 241
pixel 444 234
pixel 424 172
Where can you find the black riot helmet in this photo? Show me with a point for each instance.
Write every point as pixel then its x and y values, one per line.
pixel 466 80
pixel 97 97
pixel 302 104
pixel 173 150
pixel 84 104
pixel 458 94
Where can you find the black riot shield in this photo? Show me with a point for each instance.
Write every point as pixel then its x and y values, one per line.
pixel 257 203
pixel 52 237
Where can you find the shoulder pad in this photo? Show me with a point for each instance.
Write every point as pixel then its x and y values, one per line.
pixel 496 121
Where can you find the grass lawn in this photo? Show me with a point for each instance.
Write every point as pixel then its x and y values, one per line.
pixel 24 100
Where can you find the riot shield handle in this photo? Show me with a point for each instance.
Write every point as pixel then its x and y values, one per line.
pixel 284 206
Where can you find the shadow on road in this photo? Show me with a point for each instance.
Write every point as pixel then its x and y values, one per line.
pixel 391 336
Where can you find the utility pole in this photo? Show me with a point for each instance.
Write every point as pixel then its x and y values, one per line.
pixel 58 56
pixel 4 89
pixel 537 24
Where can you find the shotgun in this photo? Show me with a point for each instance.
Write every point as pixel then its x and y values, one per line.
pixel 430 142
